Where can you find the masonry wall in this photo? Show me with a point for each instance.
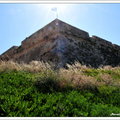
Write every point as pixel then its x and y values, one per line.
pixel 62 43
pixel 9 53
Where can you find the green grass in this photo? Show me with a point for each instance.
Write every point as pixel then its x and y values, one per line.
pixel 27 94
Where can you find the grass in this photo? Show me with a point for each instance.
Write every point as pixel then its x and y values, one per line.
pixel 36 90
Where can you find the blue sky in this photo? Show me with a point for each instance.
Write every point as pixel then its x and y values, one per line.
pixel 18 21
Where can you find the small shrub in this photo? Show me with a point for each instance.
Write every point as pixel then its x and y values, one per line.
pixel 47 82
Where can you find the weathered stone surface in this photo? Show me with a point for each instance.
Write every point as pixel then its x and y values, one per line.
pixel 9 53
pixel 61 43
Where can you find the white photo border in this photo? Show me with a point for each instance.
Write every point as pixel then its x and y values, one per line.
pixel 59 2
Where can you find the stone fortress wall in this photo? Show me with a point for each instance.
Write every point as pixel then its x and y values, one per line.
pixel 49 31
pixel 62 43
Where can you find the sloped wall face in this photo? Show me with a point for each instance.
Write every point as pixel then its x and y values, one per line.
pixel 109 51
pixel 43 34
pixel 68 30
pixel 42 51
pixel 93 52
pixel 9 53
pixel 71 49
pixel 38 44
